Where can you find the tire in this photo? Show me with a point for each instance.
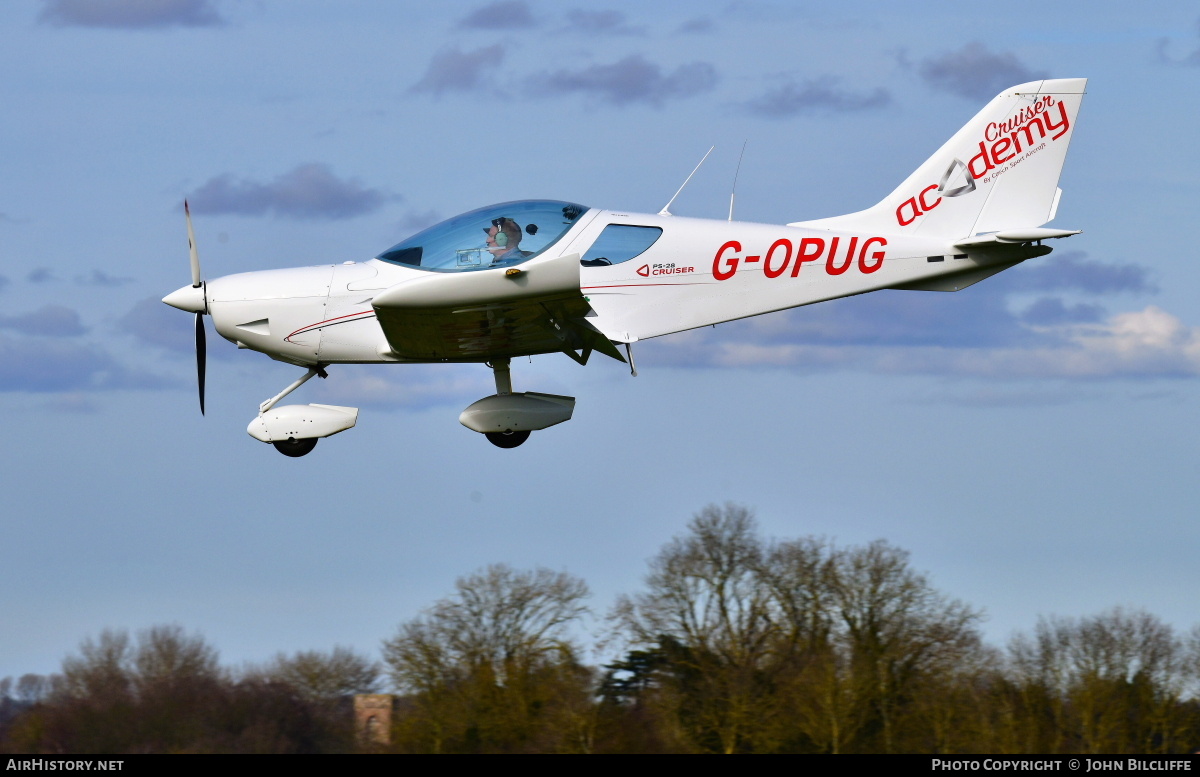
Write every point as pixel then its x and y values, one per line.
pixel 295 448
pixel 506 439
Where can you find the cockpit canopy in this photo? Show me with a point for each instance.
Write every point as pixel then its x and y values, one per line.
pixel 495 236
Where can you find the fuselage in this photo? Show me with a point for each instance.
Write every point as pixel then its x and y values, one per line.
pixel 693 273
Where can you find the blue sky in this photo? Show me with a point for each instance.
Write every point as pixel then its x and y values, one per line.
pixel 1030 440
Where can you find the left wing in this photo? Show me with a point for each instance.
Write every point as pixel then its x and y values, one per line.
pixel 536 307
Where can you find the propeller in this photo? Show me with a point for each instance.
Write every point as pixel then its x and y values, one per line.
pixel 193 299
pixel 201 357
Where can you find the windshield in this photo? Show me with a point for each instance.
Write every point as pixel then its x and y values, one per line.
pixel 495 236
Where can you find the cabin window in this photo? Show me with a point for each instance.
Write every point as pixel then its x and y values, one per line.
pixel 620 243
pixel 496 236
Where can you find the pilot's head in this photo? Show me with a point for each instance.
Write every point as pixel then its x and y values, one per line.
pixel 502 236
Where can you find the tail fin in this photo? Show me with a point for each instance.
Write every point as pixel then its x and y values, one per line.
pixel 999 172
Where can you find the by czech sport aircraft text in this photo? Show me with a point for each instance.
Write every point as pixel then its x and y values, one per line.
pixel 541 276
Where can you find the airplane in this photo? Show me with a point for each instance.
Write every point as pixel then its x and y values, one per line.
pixel 545 276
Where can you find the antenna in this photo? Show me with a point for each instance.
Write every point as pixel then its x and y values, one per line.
pixel 733 191
pixel 666 211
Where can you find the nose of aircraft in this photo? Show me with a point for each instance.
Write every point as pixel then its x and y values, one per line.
pixel 189 298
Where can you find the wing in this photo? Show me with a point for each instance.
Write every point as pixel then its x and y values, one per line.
pixel 492 314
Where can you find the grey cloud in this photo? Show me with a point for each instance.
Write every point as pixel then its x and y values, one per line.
pixel 973 318
pixel 151 322
pixel 309 191
pixel 501 15
pixel 48 321
pixel 46 365
pixel 812 96
pixel 1192 58
pixel 1145 344
pixel 415 221
pixel 411 387
pixel 41 275
pixel 631 80
pixel 601 23
pixel 74 402
pixel 975 72
pixel 1073 271
pixel 1052 311
pixel 455 70
pixel 130 14
pixel 101 278
pixel 697 25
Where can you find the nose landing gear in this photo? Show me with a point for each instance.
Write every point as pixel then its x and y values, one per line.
pixel 295 429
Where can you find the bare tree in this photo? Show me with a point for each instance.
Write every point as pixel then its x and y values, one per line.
pixel 705 605
pixel 1113 682
pixel 490 665
pixel 326 677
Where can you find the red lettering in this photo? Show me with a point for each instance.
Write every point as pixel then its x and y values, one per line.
pixel 731 263
pixel 785 244
pixel 926 205
pixel 981 156
pixel 1065 123
pixel 911 202
pixel 803 254
pixel 833 269
pixel 998 148
pixel 877 255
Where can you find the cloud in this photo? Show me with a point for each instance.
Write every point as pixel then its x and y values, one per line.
pixel 74 402
pixel 975 72
pixel 130 14
pixel 973 333
pixel 411 387
pixel 41 275
pixel 307 192
pixel 1073 271
pixel 48 321
pixel 453 70
pixel 46 365
pixel 631 80
pixel 1051 311
pixel 415 220
pixel 150 322
pixel 101 278
pixel 500 15
pixel 697 25
pixel 1192 58
pixel 812 96
pixel 1149 343
pixel 601 23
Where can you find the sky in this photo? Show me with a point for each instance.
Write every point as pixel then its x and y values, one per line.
pixel 1029 440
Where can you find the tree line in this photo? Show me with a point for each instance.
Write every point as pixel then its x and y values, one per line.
pixel 735 644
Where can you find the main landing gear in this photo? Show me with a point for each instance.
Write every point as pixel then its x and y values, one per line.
pixel 506 419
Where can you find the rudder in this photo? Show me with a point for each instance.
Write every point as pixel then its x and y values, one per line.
pixel 1000 171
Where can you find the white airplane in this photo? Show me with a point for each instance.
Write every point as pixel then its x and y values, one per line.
pixel 541 276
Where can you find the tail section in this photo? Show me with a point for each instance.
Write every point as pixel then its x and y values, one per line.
pixel 999 172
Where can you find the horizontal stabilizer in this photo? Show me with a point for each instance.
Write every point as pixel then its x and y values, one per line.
pixel 1016 236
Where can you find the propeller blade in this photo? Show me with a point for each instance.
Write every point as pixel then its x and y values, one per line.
pixel 193 254
pixel 201 356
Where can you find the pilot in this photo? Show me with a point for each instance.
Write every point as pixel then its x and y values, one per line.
pixel 504 241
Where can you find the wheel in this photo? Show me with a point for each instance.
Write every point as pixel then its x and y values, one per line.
pixel 506 439
pixel 295 448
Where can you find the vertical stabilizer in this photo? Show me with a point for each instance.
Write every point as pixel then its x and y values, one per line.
pixel 998 172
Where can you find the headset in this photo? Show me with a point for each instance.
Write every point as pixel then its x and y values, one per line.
pixel 501 237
